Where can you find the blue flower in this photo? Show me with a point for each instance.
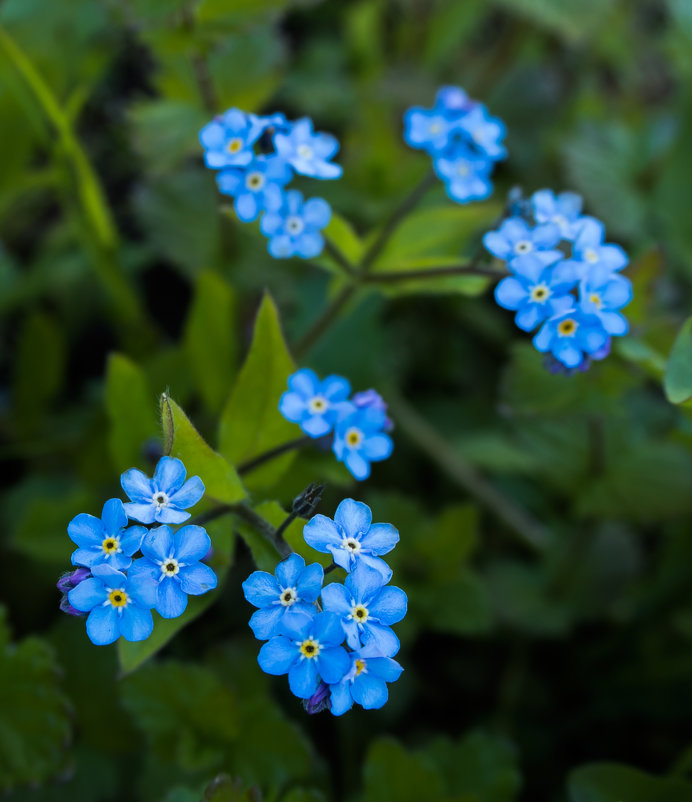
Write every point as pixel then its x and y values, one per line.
pixel 371 399
pixel 537 293
pixel 352 538
pixel 453 102
pixel 366 681
pixel 307 152
pixel 604 300
pixel 276 121
pixel 105 540
pixel 599 260
pixel 228 140
pixel 294 228
pixel 427 129
pixel 359 439
pixel 569 335
pixel 368 607
pixel 117 605
pixel 171 564
pixel 563 210
pixel 256 187
pixel 308 649
pixel 164 497
pixel 484 132
pixel 466 175
pixel 316 405
pixel 293 589
pixel 520 245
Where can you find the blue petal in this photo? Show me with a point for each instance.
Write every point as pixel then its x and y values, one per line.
pixel 382 637
pixel 86 530
pixel 247 207
pixel 197 579
pixel 378 447
pixel 380 538
pixel 131 539
pixel 617 293
pixel 109 576
pixel 144 570
pixel 591 233
pixel 144 513
pixel 336 388
pixel 309 245
pixel 271 223
pixel 303 678
pixel 137 486
pixel 317 212
pixel 261 589
pixel 169 515
pixel 288 571
pixel 213 135
pixel 113 516
pixel 614 323
pixel 297 626
pixel 321 532
pixel 357 465
pixel 191 543
pixel 567 353
pixel 389 606
pixel 158 544
pixel 384 668
pixel 316 426
pixel 510 293
pixel 529 316
pixel 172 601
pixel 87 594
pixel 543 339
pixel 370 693
pixel 341 700
pixel 120 562
pixel 336 600
pixel 169 475
pixel 292 406
pixel 102 625
pixel 143 585
pixel 230 181
pixel 326 627
pixel 333 664
pixel 277 655
pixel 376 563
pixel 281 247
pixel 363 582
pixel 309 583
pixel 342 557
pixel 265 622
pixel 189 494
pixel 87 557
pixel 354 517
pixel 136 623
pixel 497 245
pixel 352 631
pixel 304 382
pixel 613 257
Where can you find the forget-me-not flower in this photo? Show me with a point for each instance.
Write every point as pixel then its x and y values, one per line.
pixel 293 588
pixel 309 153
pixel 294 228
pixel 117 605
pixel 171 564
pixel 599 259
pixel 366 681
pixel 569 335
pixel 256 187
pixel 352 538
pixel 106 539
pixel 163 498
pixel 308 650
pixel 604 300
pixel 315 405
pixel 466 175
pixel 427 129
pixel 359 439
pixel 368 607
pixel 453 102
pixel 228 140
pixel 371 399
pixel 519 244
pixel 484 132
pixel 563 210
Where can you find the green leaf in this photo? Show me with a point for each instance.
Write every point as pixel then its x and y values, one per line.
pixel 131 411
pixel 611 782
pixel 34 725
pixel 392 772
pixel 341 233
pixel 677 379
pixel 164 132
pixel 209 342
pixel 220 479
pixel 573 20
pixel 251 422
pixel 458 606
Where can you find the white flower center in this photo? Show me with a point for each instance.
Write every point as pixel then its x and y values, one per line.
pixel 353 437
pixel 591 256
pixel 351 544
pixel 540 293
pixel 435 128
pixel 304 151
pixel 523 246
pixel 318 405
pixel 463 169
pixel 160 499
pixel 359 613
pixel 170 567
pixel 288 597
pixel 294 225
pixel 255 181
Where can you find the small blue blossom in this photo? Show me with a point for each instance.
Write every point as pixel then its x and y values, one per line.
pixel 600 260
pixel 453 102
pixel 294 228
pixel 257 187
pixel 117 605
pixel 484 132
pixel 571 334
pixel 308 152
pixel 293 589
pixel 351 538
pixel 427 129
pixel 367 607
pixel 605 300
pixel 308 650
pixel 315 405
pixel 563 210
pixel 228 140
pixel 371 399
pixel 522 246
pixel 366 681
pixel 276 121
pixel 466 175
pixel 359 439
pixel 163 498
pixel 171 565
pixel 105 540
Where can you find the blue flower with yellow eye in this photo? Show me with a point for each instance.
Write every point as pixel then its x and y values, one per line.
pixel 359 439
pixel 165 497
pixel 294 227
pixel 570 335
pixel 315 405
pixel 366 681
pixel 367 607
pixel 228 140
pixel 292 589
pixel 599 259
pixel 105 540
pixel 604 302
pixel 117 605
pixel 257 187
pixel 352 538
pixel 307 152
pixel 308 649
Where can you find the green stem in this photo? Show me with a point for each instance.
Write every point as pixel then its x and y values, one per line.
pixel 256 521
pixel 245 467
pixel 471 269
pixel 344 265
pixel 325 321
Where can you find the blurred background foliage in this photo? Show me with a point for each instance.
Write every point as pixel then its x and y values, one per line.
pixel 545 520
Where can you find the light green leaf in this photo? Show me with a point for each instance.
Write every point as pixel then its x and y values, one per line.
pixel 677 379
pixel 611 782
pixel 182 440
pixel 341 233
pixel 251 422
pixel 209 341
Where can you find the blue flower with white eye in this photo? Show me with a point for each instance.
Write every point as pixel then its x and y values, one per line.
pixel 427 129
pixel 294 228
pixel 352 538
pixel 603 301
pixel 228 140
pixel 571 334
pixel 367 607
pixel 359 439
pixel 563 210
pixel 466 175
pixel 163 498
pixel 171 565
pixel 537 293
pixel 308 650
pixel 366 681
pixel 117 605
pixel 308 152
pixel 105 540
pixel 257 187
pixel 484 132
pixel 599 260
pixel 315 405
pixel 521 245
pixel 293 588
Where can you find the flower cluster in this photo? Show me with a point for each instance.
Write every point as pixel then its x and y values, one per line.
pixel 339 651
pixel 257 157
pixel 359 424
pixel 463 140
pixel 564 278
pixel 111 583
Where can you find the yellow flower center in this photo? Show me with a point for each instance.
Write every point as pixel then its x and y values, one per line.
pixel 234 145
pixel 111 545
pixel 118 598
pixel 317 404
pixel 254 180
pixel 591 256
pixel 354 437
pixel 359 614
pixel 310 648
pixel 360 666
pixel 304 151
pixel 596 300
pixel 540 293
pixel 567 327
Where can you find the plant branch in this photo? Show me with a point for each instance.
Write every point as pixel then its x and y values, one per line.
pixel 243 510
pixel 471 269
pixel 328 317
pixel 266 456
pixel 337 255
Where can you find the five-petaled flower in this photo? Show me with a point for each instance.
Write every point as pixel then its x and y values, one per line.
pixel 257 187
pixel 309 153
pixel 599 259
pixel 228 139
pixel 520 245
pixel 163 498
pixel 315 405
pixel 366 681
pixel 359 439
pixel 105 540
pixel 294 227
pixel 563 210
pixel 571 334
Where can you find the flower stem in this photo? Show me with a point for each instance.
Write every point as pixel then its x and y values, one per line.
pixel 245 467
pixel 325 321
pixel 244 510
pixel 471 269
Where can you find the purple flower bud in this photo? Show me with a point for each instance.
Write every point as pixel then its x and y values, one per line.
pixel 603 351
pixel 319 701
pixel 66 583
pixel 371 399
